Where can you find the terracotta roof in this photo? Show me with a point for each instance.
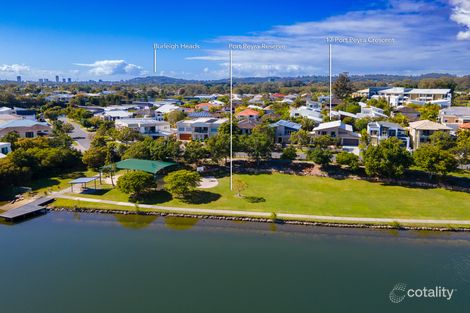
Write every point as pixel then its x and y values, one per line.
pixel 248 112
pixel 465 126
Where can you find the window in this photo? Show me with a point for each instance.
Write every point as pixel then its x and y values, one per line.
pixel 29 134
pixel 181 129
pixel 4 150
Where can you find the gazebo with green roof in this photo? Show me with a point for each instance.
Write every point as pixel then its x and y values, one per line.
pixel 148 166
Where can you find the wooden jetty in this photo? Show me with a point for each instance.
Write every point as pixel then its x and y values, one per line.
pixel 36 207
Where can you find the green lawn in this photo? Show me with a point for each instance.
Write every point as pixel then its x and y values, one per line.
pixel 58 182
pixel 42 185
pixel 320 196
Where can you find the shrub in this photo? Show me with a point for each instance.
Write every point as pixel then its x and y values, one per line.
pixel 348 159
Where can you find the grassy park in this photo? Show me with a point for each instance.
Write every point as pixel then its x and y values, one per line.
pixel 283 193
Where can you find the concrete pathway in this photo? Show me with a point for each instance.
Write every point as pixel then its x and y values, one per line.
pixel 267 214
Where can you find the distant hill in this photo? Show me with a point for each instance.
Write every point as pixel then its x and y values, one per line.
pixel 165 80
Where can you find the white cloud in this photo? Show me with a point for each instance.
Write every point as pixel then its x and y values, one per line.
pixel 461 15
pixel 113 67
pixel 14 68
pixel 424 41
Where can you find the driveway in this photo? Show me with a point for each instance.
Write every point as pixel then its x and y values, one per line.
pixel 79 135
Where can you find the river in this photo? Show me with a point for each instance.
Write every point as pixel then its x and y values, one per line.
pixel 65 262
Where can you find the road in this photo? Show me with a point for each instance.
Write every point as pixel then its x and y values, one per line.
pixel 79 135
pixel 300 217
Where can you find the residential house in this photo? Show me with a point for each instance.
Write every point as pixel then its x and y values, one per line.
pixel 307 112
pixel 453 117
pixel 146 126
pixel 198 129
pixel 441 97
pixel 207 97
pixel 25 128
pixel 394 96
pixel 5 148
pixel 337 129
pixel 283 130
pixel 315 105
pixel 382 130
pixel 246 125
pixel 465 126
pixel 399 95
pixel 410 113
pixel 206 106
pixel 257 99
pixel 113 115
pixel 27 114
pixel 371 112
pixel 167 108
pixel 277 96
pixel 198 114
pixel 420 131
pixel 368 92
pixel 6 110
pixel 248 114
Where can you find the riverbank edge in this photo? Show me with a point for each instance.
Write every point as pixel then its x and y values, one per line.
pixel 383 226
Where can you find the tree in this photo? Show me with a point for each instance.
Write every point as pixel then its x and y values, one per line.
pixel 139 150
pixel 127 135
pixel 219 146
pixel 289 153
pixel 109 170
pixel 95 157
pixel 11 137
pixel 301 138
pixel 240 186
pixel 462 148
pixel 136 182
pixel 342 88
pixel 387 159
pixel 348 159
pixel 434 160
pixel 320 156
pixel 260 143
pixel 181 183
pixel 323 141
pixel 164 149
pixel 194 152
pixel 67 128
pixel 429 111
pixel 11 174
pixel 175 116
pixel 443 140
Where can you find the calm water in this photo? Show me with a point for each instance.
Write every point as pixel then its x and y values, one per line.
pixel 64 262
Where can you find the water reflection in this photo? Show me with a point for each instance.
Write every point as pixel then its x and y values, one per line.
pixel 180 223
pixel 135 221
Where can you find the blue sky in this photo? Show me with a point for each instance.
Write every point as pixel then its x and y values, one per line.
pixel 112 40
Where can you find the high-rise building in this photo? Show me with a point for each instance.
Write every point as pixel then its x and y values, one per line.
pixel 64 80
pixel 41 80
pixel 18 79
pixel 69 80
pixel 57 78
